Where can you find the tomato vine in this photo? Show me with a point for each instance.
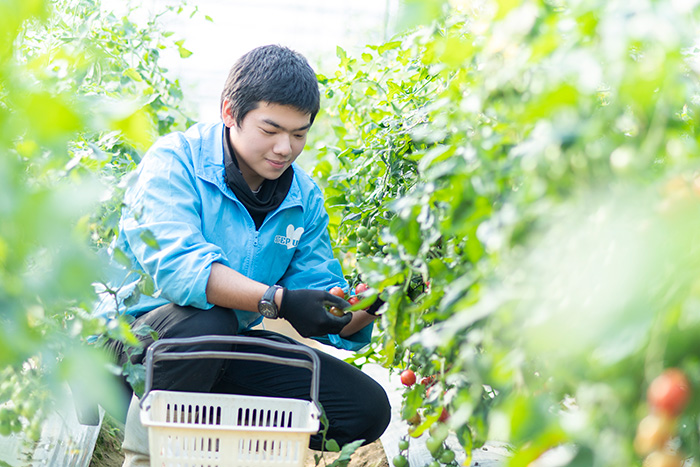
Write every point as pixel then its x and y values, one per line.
pixel 528 172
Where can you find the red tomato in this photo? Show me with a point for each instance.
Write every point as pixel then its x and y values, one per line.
pixel 408 378
pixel 669 392
pixel 444 415
pixel 338 292
pixel 427 381
pixel 353 300
pixel 361 288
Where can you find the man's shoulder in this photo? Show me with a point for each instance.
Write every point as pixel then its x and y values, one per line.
pixel 197 132
pixel 187 144
pixel 307 184
pixel 306 192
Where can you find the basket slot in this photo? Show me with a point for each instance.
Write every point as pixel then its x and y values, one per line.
pixel 214 415
pixel 251 451
pixel 193 414
pixel 190 447
pixel 267 418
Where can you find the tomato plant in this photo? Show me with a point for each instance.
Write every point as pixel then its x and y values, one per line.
pixel 83 95
pixel 542 180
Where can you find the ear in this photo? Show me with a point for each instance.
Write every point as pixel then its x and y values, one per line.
pixel 226 114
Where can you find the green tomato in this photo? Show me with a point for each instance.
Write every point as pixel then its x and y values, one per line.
pixel 34 432
pixel 15 425
pixel 447 457
pixel 434 445
pixel 403 444
pixel 363 248
pixel 5 428
pixel 400 461
pixel 29 408
pixel 362 231
pixel 439 431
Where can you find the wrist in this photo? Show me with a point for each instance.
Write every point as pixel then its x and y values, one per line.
pixel 267 306
pixel 278 298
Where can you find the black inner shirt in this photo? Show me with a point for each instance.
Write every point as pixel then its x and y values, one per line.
pixel 267 198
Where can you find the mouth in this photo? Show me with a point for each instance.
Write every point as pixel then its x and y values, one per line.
pixel 277 164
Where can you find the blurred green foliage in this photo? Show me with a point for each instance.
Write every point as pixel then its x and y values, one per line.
pixel 82 95
pixel 519 180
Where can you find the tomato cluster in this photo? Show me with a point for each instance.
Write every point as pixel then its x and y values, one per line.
pixel 667 396
pixel 436 417
pixel 366 239
pixel 353 299
pixel 401 460
pixel 435 443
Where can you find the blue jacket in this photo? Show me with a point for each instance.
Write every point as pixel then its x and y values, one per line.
pixel 180 199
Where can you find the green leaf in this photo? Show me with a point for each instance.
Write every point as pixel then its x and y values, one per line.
pixel 429 420
pixel 133 298
pixel 388 46
pixel 121 257
pixel 149 239
pixel 340 53
pixel 136 377
pixel 133 74
pixel 52 118
pixel 137 128
pixel 505 7
pixel 184 53
pixel 143 330
pixel 346 453
pixel 332 445
pixel 146 285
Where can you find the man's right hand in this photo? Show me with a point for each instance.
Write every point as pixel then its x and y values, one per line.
pixel 307 311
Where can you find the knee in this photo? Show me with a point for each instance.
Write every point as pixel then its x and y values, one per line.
pixel 216 321
pixel 371 414
pixel 377 413
pixel 193 322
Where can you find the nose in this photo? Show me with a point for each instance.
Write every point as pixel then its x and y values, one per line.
pixel 283 145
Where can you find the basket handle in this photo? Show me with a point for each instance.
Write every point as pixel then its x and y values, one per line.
pixel 313 364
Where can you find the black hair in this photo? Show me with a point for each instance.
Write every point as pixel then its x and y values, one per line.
pixel 274 74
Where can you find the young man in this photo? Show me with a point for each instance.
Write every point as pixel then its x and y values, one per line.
pixel 240 233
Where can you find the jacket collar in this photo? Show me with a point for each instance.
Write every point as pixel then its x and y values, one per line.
pixel 208 161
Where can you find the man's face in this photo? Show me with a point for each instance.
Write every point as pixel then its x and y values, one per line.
pixel 267 141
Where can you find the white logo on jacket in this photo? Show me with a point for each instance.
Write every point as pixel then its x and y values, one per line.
pixel 292 237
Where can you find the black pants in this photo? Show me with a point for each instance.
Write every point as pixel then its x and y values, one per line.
pixel 356 406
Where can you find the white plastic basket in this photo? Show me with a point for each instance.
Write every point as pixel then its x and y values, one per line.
pixel 188 429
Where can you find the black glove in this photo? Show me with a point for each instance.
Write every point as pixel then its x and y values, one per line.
pixel 306 310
